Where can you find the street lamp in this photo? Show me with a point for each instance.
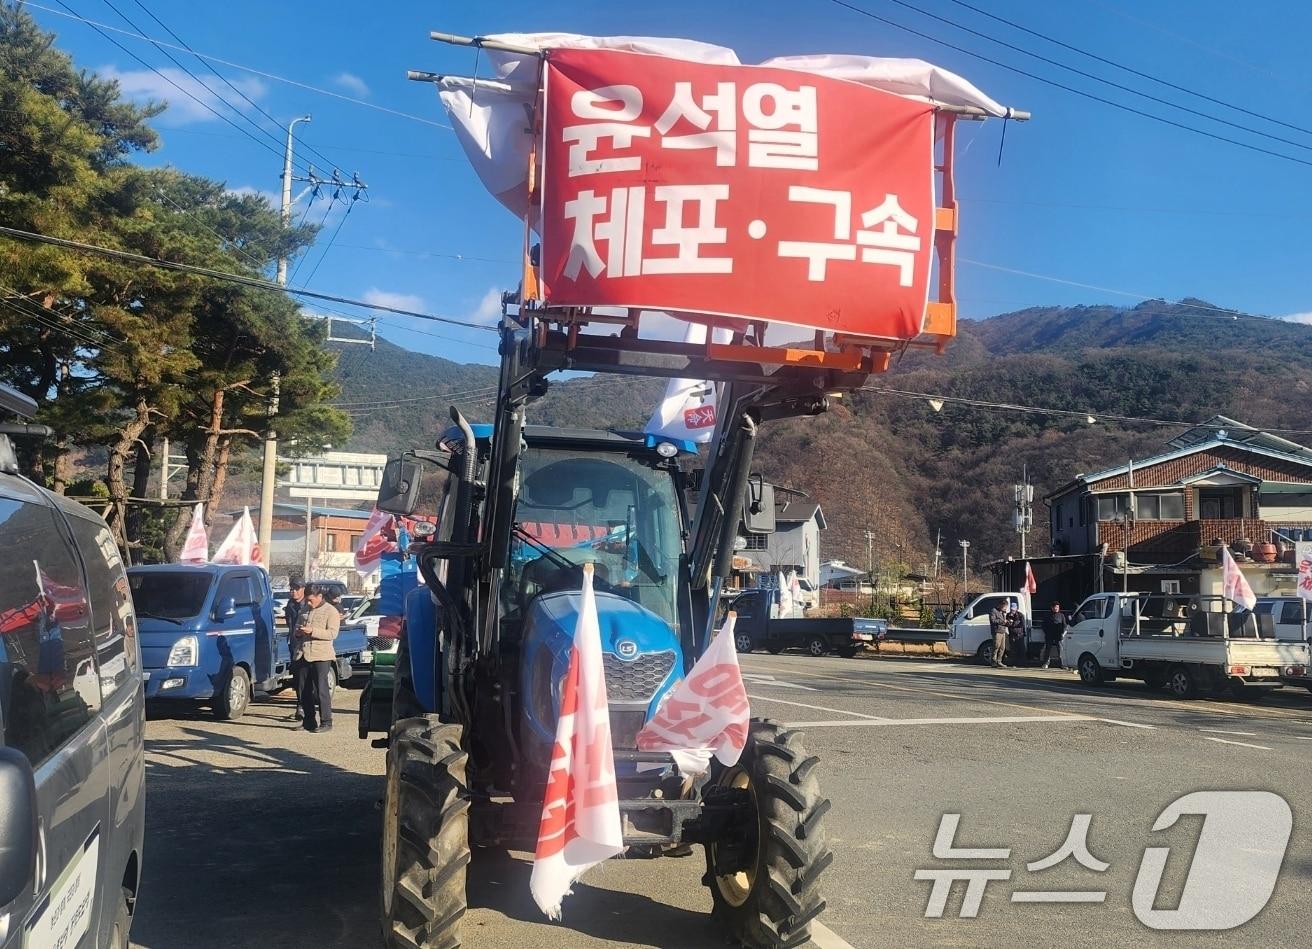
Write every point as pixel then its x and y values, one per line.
pixel 965 550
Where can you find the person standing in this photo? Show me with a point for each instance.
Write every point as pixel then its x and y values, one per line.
pixel 1018 648
pixel 317 631
pixel 1054 628
pixel 998 626
pixel 295 609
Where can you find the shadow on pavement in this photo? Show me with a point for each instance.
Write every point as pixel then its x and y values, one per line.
pixel 260 846
pixel 498 881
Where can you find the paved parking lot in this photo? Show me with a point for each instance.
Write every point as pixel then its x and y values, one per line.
pixel 262 834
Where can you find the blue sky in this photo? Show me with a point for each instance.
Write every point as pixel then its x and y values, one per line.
pixel 1084 193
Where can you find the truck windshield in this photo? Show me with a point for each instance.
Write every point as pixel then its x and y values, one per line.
pixel 611 510
pixel 169 595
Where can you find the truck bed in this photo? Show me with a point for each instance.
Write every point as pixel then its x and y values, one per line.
pixel 1218 652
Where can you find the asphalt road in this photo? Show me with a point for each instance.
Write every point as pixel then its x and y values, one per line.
pixel 260 834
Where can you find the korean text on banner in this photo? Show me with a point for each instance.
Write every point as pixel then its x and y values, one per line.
pixel 1303 557
pixel 706 713
pixel 735 190
pixel 580 807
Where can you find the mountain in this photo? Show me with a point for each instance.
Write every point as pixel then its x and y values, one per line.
pixel 889 463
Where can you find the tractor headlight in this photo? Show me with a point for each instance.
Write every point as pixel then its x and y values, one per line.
pixel 184 652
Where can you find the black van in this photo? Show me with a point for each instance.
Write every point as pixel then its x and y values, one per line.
pixel 72 724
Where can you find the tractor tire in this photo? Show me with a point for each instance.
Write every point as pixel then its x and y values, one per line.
pixel 770 904
pixel 425 836
pixel 232 702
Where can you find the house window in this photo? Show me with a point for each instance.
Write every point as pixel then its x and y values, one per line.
pixel 332 543
pixel 1112 506
pixel 1159 507
pixel 1171 586
pixel 756 542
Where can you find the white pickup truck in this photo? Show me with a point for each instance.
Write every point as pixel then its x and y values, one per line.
pixel 968 631
pixel 1187 645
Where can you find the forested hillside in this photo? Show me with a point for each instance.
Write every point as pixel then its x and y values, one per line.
pixel 892 464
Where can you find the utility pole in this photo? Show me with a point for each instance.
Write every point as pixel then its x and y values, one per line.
pixel 965 580
pixel 270 473
pixel 1023 515
pixel 938 551
pixel 870 564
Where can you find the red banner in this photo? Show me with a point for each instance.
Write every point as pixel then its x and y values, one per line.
pixel 735 190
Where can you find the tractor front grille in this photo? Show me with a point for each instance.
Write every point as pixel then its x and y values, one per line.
pixel 382 643
pixel 636 680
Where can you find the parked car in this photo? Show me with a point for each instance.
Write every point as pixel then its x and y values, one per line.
pixel 280 600
pixel 207 633
pixel 368 616
pixel 72 725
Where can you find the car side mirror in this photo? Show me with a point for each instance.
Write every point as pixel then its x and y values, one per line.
pixel 398 491
pixel 226 607
pixel 18 833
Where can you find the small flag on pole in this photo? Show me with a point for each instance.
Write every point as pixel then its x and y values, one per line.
pixel 241 546
pixel 580 808
pixel 1031 585
pixel 688 410
pixel 196 548
pixel 1234 585
pixel 705 714
pixel 374 542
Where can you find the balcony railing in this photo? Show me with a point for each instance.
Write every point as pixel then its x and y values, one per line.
pixel 1166 542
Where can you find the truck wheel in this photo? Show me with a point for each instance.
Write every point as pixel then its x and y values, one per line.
pixel 118 937
pixel 235 698
pixel 985 653
pixel 817 647
pixel 1181 683
pixel 1090 671
pixel 764 876
pixel 425 836
pixel 742 642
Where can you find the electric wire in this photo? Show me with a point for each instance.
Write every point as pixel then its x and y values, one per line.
pixel 209 57
pixel 257 283
pixel 323 220
pixel 332 240
pixel 1067 88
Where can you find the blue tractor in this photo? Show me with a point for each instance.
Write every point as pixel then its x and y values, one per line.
pixel 470 718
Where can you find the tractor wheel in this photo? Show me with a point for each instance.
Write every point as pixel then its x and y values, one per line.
pixel 425 836
pixel 764 876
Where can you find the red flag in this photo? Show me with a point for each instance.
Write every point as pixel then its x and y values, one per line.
pixel 707 713
pixel 580 807
pixel 241 546
pixel 378 538
pixel 1031 585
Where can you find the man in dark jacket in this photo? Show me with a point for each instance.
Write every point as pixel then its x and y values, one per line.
pixel 1017 647
pixel 1054 628
pixel 998 627
pixel 296 608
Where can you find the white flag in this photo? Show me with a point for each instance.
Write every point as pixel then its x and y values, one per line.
pixel 785 596
pixel 196 548
pixel 374 542
pixel 1234 586
pixel 688 409
pixel 1303 557
pixel 795 590
pixel 707 713
pixel 580 808
pixel 242 545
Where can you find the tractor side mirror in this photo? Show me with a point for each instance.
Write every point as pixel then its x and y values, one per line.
pixel 758 506
pixel 398 491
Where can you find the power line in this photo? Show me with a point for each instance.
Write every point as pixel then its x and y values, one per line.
pixel 209 57
pixel 1071 89
pixel 332 240
pixel 432 253
pixel 1130 69
pixel 187 92
pixel 388 403
pixel 224 79
pixel 256 283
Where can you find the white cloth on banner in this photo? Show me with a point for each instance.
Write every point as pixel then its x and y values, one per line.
pixel 1303 558
pixel 491 117
pixel 705 714
pixel 196 548
pixel 580 807
pixel 689 407
pixel 1234 585
pixel 242 545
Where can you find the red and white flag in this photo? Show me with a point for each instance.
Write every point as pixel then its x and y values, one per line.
pixel 1234 585
pixel 1303 557
pixel 580 808
pixel 242 545
pixel 376 540
pixel 707 713
pixel 196 548
pixel 1031 585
